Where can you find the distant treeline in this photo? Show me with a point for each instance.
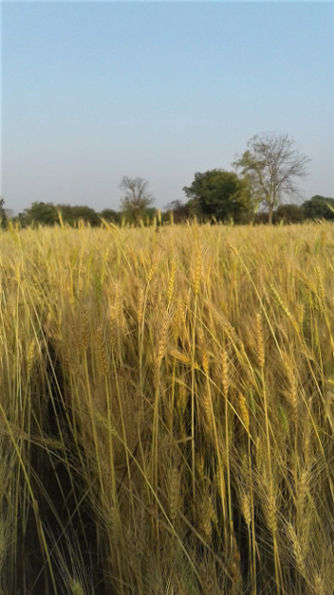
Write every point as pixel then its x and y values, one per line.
pixel 263 177
pixel 47 213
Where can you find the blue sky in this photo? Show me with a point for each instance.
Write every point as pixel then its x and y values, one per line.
pixel 95 91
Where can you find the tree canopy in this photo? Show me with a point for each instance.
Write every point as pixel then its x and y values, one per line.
pixel 110 215
pixel 72 214
pixel 44 213
pixel 47 214
pixel 318 207
pixel 219 194
pixel 288 213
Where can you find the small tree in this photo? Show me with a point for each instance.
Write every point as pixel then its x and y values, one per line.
pixel 136 197
pixel 273 165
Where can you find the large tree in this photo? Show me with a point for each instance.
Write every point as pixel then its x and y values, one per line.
pixel 136 197
pixel 273 165
pixel 219 194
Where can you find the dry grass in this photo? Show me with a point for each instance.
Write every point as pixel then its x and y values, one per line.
pixel 167 410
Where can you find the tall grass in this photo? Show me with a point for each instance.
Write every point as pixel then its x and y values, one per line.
pixel 167 410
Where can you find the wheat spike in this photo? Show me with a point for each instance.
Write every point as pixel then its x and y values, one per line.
pixel 319 587
pixel 296 547
pixel 207 406
pixel 197 270
pixel 291 394
pixel 102 352
pixel 170 289
pixel 260 341
pixel 246 508
pixel 244 413
pixel 163 338
pixel 302 487
pixel 85 329
pixel 179 356
pixel 271 512
pixel 225 377
pixel 140 305
pixel 31 356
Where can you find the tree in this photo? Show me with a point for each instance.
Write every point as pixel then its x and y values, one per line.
pixel 71 214
pixel 43 213
pixel 288 213
pixel 110 215
pixel 219 194
pixel 273 166
pixel 180 211
pixel 318 207
pixel 3 214
pixel 136 197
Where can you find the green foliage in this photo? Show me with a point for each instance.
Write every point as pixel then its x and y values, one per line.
pixel 219 194
pixel 288 213
pixel 41 213
pixel 110 215
pixel 73 214
pixel 3 214
pixel 48 214
pixel 148 214
pixel 181 212
pixel 318 207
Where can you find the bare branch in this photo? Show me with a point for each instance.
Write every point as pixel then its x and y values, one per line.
pixel 274 166
pixel 136 197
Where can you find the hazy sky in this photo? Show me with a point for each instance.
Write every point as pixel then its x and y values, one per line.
pixel 95 91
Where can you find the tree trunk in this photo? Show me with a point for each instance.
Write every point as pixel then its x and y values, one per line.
pixel 270 216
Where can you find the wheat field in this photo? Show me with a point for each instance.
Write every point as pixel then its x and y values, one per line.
pixel 167 410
